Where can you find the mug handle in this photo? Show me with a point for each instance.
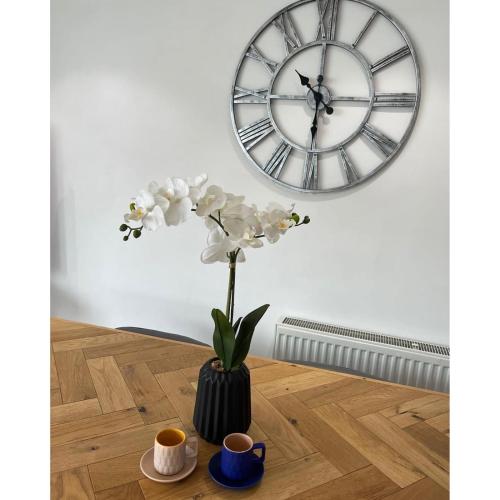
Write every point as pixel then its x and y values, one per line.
pixel 262 447
pixel 192 451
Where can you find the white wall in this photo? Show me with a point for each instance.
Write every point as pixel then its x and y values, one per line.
pixel 140 92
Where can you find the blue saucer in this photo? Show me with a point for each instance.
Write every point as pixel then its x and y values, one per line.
pixel 217 475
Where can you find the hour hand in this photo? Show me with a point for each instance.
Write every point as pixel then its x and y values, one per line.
pixel 303 79
pixel 314 129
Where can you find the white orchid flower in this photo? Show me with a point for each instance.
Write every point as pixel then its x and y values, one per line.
pixel 135 215
pixel 245 227
pixel 173 199
pixel 235 217
pixel 219 245
pixel 232 224
pixel 145 211
pixel 142 203
pixel 254 220
pixel 194 184
pixel 249 239
pixel 239 219
pixel 154 219
pixel 276 220
pixel 233 207
pixel 236 228
pixel 214 199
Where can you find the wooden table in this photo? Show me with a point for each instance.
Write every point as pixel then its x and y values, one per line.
pixel 328 435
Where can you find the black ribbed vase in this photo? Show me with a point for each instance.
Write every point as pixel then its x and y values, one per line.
pixel 222 403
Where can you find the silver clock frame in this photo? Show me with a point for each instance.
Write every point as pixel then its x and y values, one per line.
pixel 338 147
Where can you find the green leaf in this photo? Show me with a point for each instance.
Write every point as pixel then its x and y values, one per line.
pixel 244 338
pixel 236 325
pixel 223 338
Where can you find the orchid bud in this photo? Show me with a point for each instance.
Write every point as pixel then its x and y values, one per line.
pixel 136 233
pixel 295 217
pixel 125 238
pixel 132 207
pixel 306 220
pixel 123 227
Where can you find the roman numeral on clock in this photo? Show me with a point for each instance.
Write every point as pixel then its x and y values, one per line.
pixel 401 100
pixel 254 53
pixel 310 172
pixel 249 96
pixel 328 12
pixel 252 134
pixel 349 170
pixel 376 137
pixel 390 59
pixel 364 29
pixel 275 164
pixel 291 38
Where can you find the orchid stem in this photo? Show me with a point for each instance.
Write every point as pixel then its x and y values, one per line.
pixel 219 223
pixel 230 288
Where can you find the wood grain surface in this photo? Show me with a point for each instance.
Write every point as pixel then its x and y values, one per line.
pixel 328 435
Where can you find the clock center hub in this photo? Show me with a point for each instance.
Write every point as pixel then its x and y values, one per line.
pixel 325 97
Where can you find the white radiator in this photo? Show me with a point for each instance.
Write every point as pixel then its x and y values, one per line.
pixel 396 359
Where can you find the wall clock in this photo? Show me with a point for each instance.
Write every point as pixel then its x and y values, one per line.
pixel 325 94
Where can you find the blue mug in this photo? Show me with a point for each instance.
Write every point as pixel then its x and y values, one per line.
pixel 237 458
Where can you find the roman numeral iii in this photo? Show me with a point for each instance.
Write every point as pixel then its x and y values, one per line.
pixel 394 100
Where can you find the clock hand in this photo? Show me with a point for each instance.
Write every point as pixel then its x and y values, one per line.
pixel 304 80
pixel 314 127
pixel 328 109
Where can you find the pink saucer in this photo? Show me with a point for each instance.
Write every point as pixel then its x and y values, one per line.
pixel 148 469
